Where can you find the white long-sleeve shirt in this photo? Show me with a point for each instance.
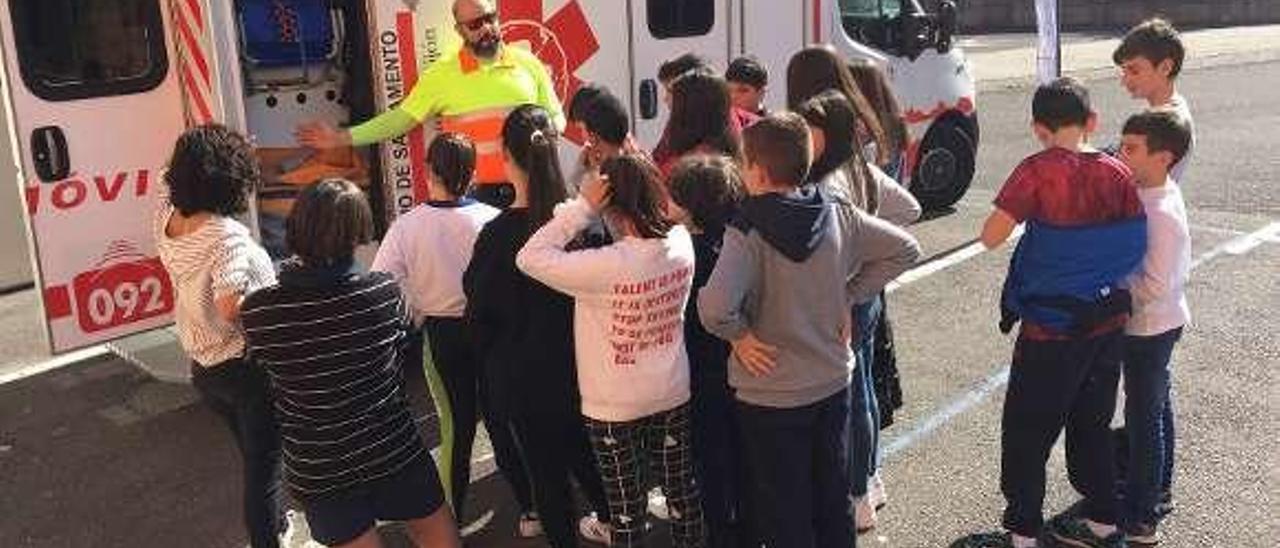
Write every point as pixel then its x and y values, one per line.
pixel 628 319
pixel 428 249
pixel 1159 286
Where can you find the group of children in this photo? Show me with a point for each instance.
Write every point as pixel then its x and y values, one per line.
pixel 698 318
pixel 1098 282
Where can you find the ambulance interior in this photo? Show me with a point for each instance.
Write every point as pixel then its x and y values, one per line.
pixel 302 61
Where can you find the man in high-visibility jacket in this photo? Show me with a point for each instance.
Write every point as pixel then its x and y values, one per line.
pixel 470 92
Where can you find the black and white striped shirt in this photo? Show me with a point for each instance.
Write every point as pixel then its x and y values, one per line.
pixel 330 342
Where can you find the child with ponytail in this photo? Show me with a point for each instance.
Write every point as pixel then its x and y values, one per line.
pixel 523 333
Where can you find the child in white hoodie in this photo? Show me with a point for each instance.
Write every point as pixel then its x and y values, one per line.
pixel 633 370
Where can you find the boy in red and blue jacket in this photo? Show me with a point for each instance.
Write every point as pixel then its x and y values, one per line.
pixel 1084 233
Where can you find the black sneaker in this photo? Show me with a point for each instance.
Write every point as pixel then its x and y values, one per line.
pixel 1073 532
pixel 1165 506
pixel 985 540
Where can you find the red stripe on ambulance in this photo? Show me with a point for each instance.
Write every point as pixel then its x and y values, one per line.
pixel 193 48
pixel 409 74
pixel 57 302
pixel 194 6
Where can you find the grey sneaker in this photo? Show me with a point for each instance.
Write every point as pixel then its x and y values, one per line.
pixel 529 526
pixel 594 530
pixel 1142 535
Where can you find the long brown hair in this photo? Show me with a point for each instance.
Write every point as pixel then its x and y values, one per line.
pixel 819 68
pixel 700 115
pixel 874 85
pixel 832 113
pixel 636 193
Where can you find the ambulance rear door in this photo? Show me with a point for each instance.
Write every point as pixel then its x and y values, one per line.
pixel 662 30
pixel 94 104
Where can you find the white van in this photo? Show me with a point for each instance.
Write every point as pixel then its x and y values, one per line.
pixel 97 92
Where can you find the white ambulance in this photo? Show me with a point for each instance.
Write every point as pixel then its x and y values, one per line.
pixel 97 91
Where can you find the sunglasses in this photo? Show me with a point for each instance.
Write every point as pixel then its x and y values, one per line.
pixel 480 22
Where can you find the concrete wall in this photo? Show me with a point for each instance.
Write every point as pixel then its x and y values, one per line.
pixel 979 16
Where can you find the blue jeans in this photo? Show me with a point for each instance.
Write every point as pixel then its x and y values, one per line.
pixel 1148 418
pixel 864 414
pixel 798 463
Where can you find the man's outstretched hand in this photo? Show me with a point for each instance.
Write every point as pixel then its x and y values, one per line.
pixel 321 136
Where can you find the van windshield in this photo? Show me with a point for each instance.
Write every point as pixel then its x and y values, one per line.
pixel 870 9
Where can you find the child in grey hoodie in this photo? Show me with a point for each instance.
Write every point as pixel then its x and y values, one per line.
pixel 791 265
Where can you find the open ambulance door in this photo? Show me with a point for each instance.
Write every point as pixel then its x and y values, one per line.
pixel 95 105
pixel 662 30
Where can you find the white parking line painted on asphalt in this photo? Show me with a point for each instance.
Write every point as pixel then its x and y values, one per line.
pixel 969 400
pixel 1240 245
pixel 945 261
pixel 53 363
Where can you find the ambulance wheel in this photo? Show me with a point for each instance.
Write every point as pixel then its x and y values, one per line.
pixel 946 162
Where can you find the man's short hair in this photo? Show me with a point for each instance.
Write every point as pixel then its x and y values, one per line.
pixel 1164 129
pixel 680 65
pixel 328 221
pixel 779 143
pixel 1154 40
pixel 601 112
pixel 452 160
pixel 1061 103
pixel 747 70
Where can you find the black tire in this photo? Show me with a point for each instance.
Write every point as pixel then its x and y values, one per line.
pixel 945 165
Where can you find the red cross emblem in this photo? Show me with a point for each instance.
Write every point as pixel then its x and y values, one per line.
pixel 563 43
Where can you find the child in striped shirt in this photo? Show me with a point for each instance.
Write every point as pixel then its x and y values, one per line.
pixel 330 338
pixel 214 262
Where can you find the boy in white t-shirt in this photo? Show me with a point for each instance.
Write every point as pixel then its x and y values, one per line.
pixel 1152 143
pixel 1150 58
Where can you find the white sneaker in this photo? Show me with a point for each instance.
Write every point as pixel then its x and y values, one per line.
pixel 864 514
pixel 529 526
pixel 876 494
pixel 658 504
pixel 594 530
pixel 290 536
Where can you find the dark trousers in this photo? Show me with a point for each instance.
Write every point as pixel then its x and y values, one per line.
pixel 556 449
pixel 720 465
pixel 1148 420
pixel 1055 385
pixel 798 458
pixel 237 390
pixel 454 357
pixel 661 442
